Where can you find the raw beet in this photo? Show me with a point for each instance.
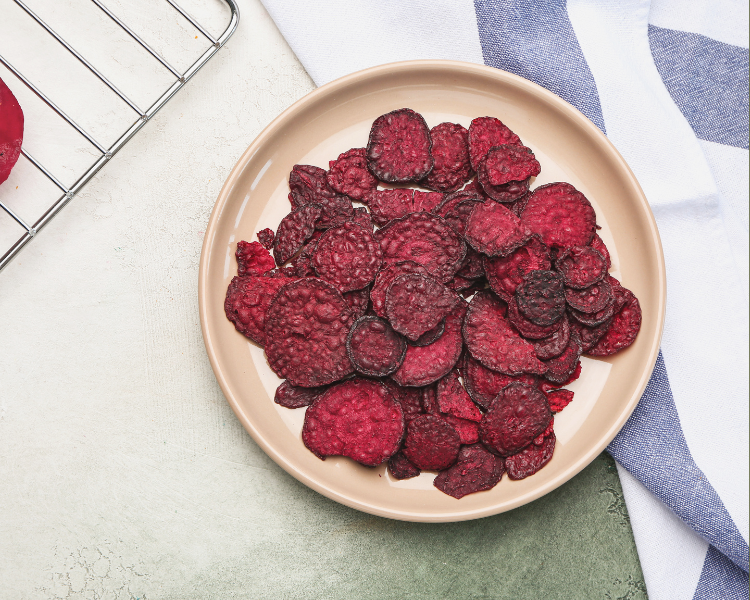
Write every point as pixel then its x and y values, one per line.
pixel 486 132
pixel 581 266
pixel 505 273
pixel 532 458
pixel 592 299
pixel 401 468
pixel 541 297
pixel 468 431
pixel 453 399
pixel 358 300
pixel 290 396
pixel 519 414
pixel 554 345
pixel 494 230
pixel 598 244
pixel 561 215
pixel 560 368
pixel 265 237
pixel 384 279
pixel 505 171
pixel 349 175
pixel 426 201
pixel 624 328
pixel 399 147
pixel 247 302
pixel 11 131
pixel 525 327
pixel 308 185
pixel 475 470
pixel 348 257
pixel 386 205
pixel 294 230
pixel 306 328
pixel 374 348
pixel 559 399
pixel 484 384
pixel 416 304
pixel 450 149
pixel 429 337
pixel 253 259
pixel 431 444
pixel 358 418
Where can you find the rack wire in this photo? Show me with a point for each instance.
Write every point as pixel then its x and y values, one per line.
pixel 143 116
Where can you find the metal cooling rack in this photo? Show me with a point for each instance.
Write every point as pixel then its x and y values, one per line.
pixel 143 116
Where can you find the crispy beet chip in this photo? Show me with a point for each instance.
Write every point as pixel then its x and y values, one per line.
pixel 265 237
pixel 453 399
pixel 450 149
pixel 358 418
pixel 554 345
pixel 473 267
pixel 386 205
pixel 308 185
pixel 348 257
pixel 247 302
pixel 494 230
pixel 429 400
pixel 253 259
pixel 426 201
pixel 505 171
pixel 505 273
pixel 624 328
pixel 486 132
pixel 11 131
pixel 532 458
pixel 484 384
pixel 410 399
pixel 519 414
pixel 290 396
pixel 525 327
pixel 458 216
pixel 425 239
pixel 591 300
pixel 400 468
pixel 306 328
pixel 349 175
pixel 468 431
pixel 547 386
pixel 451 201
pixel 429 337
pixel 560 368
pixel 561 215
pixel 559 399
pixel 399 147
pixel 416 304
pixel 294 230
pixel 541 297
pixel 598 318
pixel 598 244
pixel 374 348
pixel 494 342
pixel 363 218
pixel 476 470
pixel 431 444
pixel 358 300
pixel 302 263
pixel 426 364
pixel 581 266
pixel 590 335
pixel 384 279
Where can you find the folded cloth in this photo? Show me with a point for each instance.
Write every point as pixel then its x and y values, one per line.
pixel 667 81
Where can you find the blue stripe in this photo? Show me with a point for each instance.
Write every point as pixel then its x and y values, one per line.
pixel 721 579
pixel 653 448
pixel 708 80
pixel 536 40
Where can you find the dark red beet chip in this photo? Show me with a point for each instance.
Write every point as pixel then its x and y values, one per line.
pixel 253 259
pixel 429 400
pixel 306 328
pixel 508 193
pixel 374 348
pixel 294 230
pixel 458 216
pixel 529 460
pixel 302 263
pixel 384 279
pixel 468 431
pixel 247 302
pixel 486 132
pixel 547 386
pixel 308 185
pixel 475 470
pixel 453 399
pixel 429 337
pixel 363 218
pixel 519 414
pixel 561 215
pixel 358 418
pixel 505 273
pixel 386 205
pixel 358 301
pixel 401 468
pixel 581 267
pixel 290 396
pixel 504 164
pixel 416 304
pixel 559 399
pixel 493 341
pixel 624 328
pixel 598 244
pixel 554 345
pixel 494 230
pixel 590 335
pixel 349 175
pixel 484 384
pixel 265 237
pixel 541 297
pixel 410 399
pixel 11 131
pixel 525 327
pixel 348 257
pixel 425 239
pixel 473 267
pixel 431 444
pixel 560 368
pixel 451 201
pixel 399 147
pixel 426 201
pixel 595 319
pixel 592 299
pixel 450 149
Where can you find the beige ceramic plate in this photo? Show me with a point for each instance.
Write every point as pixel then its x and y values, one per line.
pixel 337 117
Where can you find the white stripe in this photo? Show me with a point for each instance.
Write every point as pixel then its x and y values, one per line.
pixel 723 20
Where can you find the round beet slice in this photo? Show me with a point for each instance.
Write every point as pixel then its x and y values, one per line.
pixel 306 328
pixel 253 259
pixel 349 175
pixel 294 230
pixel 561 215
pixel 597 318
pixel 505 273
pixel 525 327
pixel 484 384
pixel 290 396
pixel 401 468
pixel 453 399
pixel 541 297
pixel 624 328
pixel 374 348
pixel 559 399
pixel 486 132
pixel 518 415
pixel 450 149
pixel 11 131
pixel 348 257
pixel 358 301
pixel 475 470
pixel 598 244
pixel 560 368
pixel 384 279
pixel 505 171
pixel 247 302
pixel 431 444
pixel 386 205
pixel 399 147
pixel 554 345
pixel 494 230
pixel 429 337
pixel 590 335
pixel 581 267
pixel 426 201
pixel 592 299
pixel 415 304
pixel 358 418
pixel 308 185
pixel 532 458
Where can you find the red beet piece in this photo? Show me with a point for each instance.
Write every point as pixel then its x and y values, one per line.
pixel 494 230
pixel 308 185
pixel 384 279
pixel 529 460
pixel 581 267
pixel 592 299
pixel 401 468
pixel 494 342
pixel 11 131
pixel 349 175
pixel 541 297
pixel 247 302
pixel 253 259
pixel 519 414
pixel 386 205
pixel 547 386
pixel 486 132
pixel 358 300
pixel 597 318
pixel 416 304
pixel 484 384
pixel 348 257
pixel 505 273
pixel 294 230
pixel 561 215
pixel 453 399
pixel 475 470
pixel 426 201
pixel 425 239
pixel 473 267
pixel 559 399
pixel 598 244
pixel 450 149
pixel 306 328
pixel 363 218
pixel 265 237
pixel 560 368
pixel 374 348
pixel 554 345
pixel 505 171
pixel 525 327
pixel 290 396
pixel 624 328
pixel 429 337
pixel 458 216
pixel 358 418
pixel 590 335
pixel 429 401
pixel 399 147
pixel 468 431
pixel 302 263
pixel 431 444
pixel 410 399
pixel 451 201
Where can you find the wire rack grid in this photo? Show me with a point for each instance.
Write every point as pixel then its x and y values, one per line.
pixel 180 78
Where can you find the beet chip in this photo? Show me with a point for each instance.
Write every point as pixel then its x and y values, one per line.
pixel 450 149
pixel 374 348
pixel 308 185
pixel 519 414
pixel 598 244
pixel 494 230
pixel 561 215
pixel 265 237
pixel 426 201
pixel 484 384
pixel 349 175
pixel 253 259
pixel 416 304
pixel 624 328
pixel 306 328
pixel 290 396
pixel 486 132
pixel 247 302
pixel 581 266
pixel 541 297
pixel 505 171
pixel 358 418
pixel 386 205
pixel 505 273
pixel 399 147
pixel 363 218
pixel 532 458
pixel 429 337
pixel 429 401
pixel 400 468
pixel 348 257
pixel 302 263
pixel 590 335
pixel 11 131
pixel 294 230
pixel 560 368
pixel 451 201
pixel 358 300
pixel 525 327
pixel 591 300
pixel 547 386
pixel 384 279
pixel 492 340
pixel 559 399
pixel 410 399
pixel 475 470
pixel 554 345
pixel 431 444
pixel 598 318
pixel 452 399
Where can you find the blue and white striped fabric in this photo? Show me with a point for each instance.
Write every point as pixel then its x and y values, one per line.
pixel 667 81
